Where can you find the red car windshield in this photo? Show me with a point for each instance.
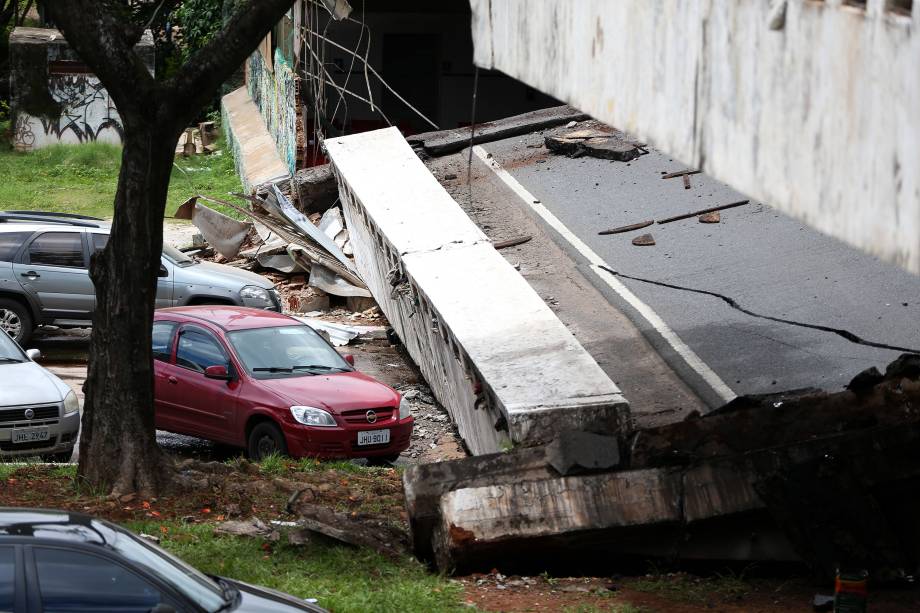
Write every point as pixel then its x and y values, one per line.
pixel 285 351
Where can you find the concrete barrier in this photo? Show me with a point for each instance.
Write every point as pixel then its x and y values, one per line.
pixel 499 360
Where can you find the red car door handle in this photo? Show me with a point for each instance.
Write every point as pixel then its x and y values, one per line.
pixel 172 380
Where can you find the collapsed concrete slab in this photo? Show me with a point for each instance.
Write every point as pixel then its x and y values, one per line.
pixel 507 370
pixel 828 478
pixel 257 158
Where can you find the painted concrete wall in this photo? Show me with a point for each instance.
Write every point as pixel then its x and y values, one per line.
pixel 274 91
pixel 820 118
pixel 42 60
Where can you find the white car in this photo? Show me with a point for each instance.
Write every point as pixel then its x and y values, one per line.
pixel 39 413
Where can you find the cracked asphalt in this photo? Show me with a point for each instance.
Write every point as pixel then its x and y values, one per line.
pixel 759 257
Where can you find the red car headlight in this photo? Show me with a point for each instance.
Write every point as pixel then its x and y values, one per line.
pixel 311 416
pixel 404 409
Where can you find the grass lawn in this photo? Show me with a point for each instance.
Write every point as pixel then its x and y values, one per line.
pixel 82 178
pixel 341 578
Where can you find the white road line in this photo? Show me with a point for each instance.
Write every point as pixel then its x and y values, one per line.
pixel 689 356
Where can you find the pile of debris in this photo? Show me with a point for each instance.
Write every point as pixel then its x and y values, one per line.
pixel 307 256
pixel 806 475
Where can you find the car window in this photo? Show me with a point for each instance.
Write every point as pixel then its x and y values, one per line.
pixel 74 582
pixel 57 249
pixel 10 242
pixel 198 350
pixel 284 347
pixel 7 577
pixel 99 241
pixel 162 340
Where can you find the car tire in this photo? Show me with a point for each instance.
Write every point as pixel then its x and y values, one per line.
pixel 15 320
pixel 58 458
pixel 265 439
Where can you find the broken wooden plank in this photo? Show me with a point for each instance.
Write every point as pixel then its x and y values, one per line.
pixel 629 228
pixel 444 142
pixel 512 242
pixel 682 173
pixel 702 211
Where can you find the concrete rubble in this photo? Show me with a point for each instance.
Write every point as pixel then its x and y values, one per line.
pixel 596 140
pixel 824 478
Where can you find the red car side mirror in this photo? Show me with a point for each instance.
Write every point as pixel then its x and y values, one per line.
pixel 217 372
pixel 349 358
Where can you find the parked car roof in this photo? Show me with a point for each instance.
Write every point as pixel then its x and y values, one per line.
pixel 58 525
pixel 231 317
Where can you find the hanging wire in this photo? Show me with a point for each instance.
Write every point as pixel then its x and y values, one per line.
pixel 380 78
pixel 348 75
pixel 469 161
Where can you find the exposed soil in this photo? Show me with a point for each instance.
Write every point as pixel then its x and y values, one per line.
pixel 211 491
pixel 672 592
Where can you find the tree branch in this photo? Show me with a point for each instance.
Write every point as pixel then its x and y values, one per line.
pixel 103 37
pixel 197 80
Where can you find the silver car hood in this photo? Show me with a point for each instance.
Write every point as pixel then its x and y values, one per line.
pixel 219 275
pixel 29 383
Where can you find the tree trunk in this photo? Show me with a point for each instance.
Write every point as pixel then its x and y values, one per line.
pixel 118 449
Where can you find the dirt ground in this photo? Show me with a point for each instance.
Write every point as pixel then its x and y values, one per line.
pixel 672 592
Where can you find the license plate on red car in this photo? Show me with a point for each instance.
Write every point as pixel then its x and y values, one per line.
pixel 373 437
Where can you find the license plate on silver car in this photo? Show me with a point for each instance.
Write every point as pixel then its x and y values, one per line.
pixel 30 435
pixel 373 437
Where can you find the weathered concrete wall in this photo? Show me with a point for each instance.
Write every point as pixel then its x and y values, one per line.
pixel 55 99
pixel 274 92
pixel 818 118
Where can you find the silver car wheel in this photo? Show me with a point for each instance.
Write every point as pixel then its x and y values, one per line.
pixel 10 323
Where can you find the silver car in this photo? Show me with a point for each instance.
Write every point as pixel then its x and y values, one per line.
pixel 44 277
pixel 39 413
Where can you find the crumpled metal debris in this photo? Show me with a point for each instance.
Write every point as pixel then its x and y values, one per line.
pixel 290 242
pixel 225 234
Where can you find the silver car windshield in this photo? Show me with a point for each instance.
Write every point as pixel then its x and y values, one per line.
pixel 285 351
pixel 9 351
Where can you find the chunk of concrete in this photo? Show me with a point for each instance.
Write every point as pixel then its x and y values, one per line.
pixel 575 452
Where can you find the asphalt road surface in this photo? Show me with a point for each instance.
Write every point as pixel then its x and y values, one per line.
pixel 763 260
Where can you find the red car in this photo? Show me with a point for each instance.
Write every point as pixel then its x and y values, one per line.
pixel 266 382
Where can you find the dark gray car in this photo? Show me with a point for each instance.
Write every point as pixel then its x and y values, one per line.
pixel 44 277
pixel 61 561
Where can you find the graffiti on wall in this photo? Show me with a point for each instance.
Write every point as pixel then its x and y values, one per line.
pixel 275 94
pixel 87 115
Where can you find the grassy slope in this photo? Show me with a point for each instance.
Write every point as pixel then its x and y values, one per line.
pixel 82 179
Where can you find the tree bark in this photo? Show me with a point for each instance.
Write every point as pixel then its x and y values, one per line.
pixel 118 447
